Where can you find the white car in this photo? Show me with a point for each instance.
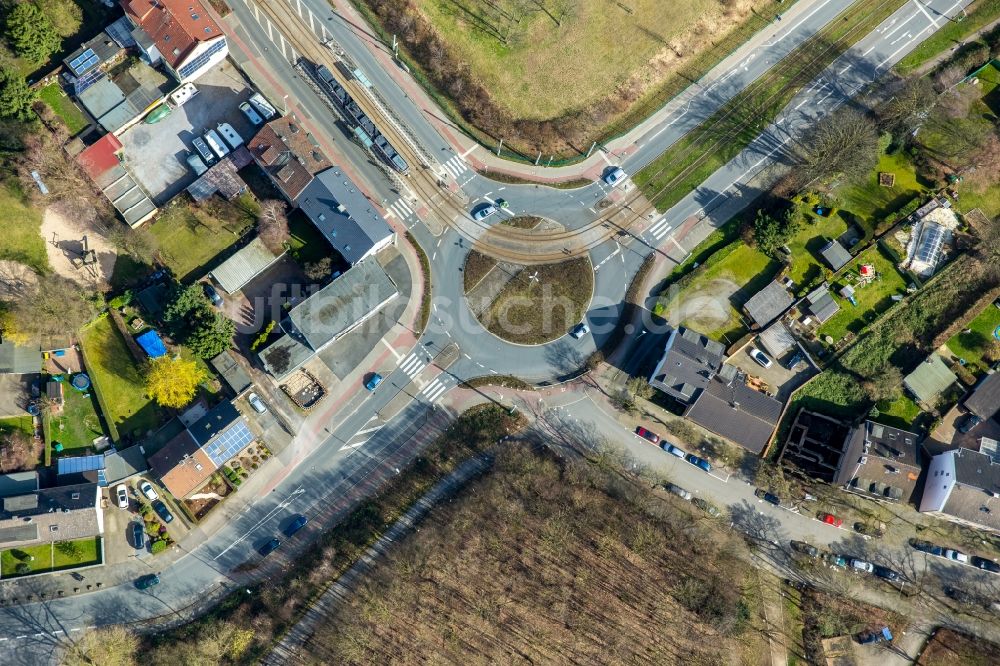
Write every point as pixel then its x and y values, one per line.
pixel 484 212
pixel 256 403
pixel 760 357
pixel 121 495
pixel 956 555
pixel 580 330
pixel 614 176
pixel 146 488
pixel 251 113
pixel 861 565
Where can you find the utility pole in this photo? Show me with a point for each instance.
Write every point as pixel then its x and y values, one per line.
pixel 499 147
pixel 592 146
pixel 538 159
pixel 395 46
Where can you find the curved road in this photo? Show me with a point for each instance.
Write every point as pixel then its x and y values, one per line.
pixel 362 447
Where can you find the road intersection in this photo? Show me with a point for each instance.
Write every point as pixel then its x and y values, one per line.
pixel 362 443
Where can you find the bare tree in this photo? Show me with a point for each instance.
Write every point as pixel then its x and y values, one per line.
pixel 273 224
pixel 904 111
pixel 843 144
pixel 139 243
pixel 983 167
pixel 57 307
pixel 18 451
pixel 111 646
pixel 319 269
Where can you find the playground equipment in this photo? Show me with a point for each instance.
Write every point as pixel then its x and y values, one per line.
pixel 81 382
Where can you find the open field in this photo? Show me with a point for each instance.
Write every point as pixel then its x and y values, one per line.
pixel 117 378
pixel 873 298
pixel 21 240
pixel 977 340
pixel 190 236
pixel 51 556
pixel 682 167
pixel 558 562
pixel 63 107
pixel 541 303
pixel 77 424
pixel 875 207
pixel 555 75
pixel 951 648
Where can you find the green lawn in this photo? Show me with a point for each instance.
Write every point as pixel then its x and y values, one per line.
pixel 190 236
pixel 306 243
pixel 902 412
pixel 872 205
pixel 77 424
pixel 873 299
pixel 63 107
pixel 49 557
pixel 972 345
pixel 22 423
pixel 21 239
pixel 117 378
pixel 807 265
pixel 710 303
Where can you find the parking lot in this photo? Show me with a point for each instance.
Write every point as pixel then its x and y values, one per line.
pixel 155 153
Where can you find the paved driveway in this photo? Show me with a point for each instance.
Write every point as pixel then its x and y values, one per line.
pixel 15 391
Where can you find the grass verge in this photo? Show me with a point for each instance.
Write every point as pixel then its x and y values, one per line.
pixel 978 15
pixel 50 557
pixel 682 167
pixel 425 297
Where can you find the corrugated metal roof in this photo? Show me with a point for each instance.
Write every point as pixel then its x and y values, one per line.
pixel 249 262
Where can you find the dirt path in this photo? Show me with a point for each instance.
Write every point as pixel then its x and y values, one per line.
pixel 64 244
pixel 774 616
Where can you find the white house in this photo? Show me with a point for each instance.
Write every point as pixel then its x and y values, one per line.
pixel 178 33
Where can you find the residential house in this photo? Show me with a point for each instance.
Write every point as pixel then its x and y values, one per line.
pixel 929 380
pixel 18 483
pixel 232 372
pixel 288 154
pixel 345 216
pixel 984 401
pixel 881 462
pixel 328 315
pixel 963 486
pixel 51 514
pixel 731 409
pixel 189 459
pixel 767 304
pixel 104 469
pixel 689 362
pixel 180 34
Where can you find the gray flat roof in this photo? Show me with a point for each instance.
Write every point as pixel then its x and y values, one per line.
pixel 768 303
pixel 18 360
pixel 339 306
pixel 343 214
pixel 18 483
pixel 246 264
pixel 836 255
pixel 232 372
pixel 985 399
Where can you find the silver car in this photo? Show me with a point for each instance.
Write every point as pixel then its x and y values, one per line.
pixel 256 403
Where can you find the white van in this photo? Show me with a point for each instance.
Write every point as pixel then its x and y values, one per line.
pixel 183 94
pixel 215 141
pixel 263 107
pixel 231 136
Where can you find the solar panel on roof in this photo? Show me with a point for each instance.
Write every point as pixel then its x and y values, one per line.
pixel 78 464
pixel 87 80
pixel 229 443
pixel 84 61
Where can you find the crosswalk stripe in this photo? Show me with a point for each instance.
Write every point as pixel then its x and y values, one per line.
pixel 437 393
pixel 427 390
pixel 412 364
pixel 457 164
pixel 404 206
pixel 451 172
pixel 659 229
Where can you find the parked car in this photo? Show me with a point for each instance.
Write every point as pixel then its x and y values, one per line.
pixel 614 176
pixel 121 496
pixel 886 573
pixel 956 556
pixel 212 294
pixel 707 507
pixel 984 564
pixel 138 534
pixel 768 497
pixel 680 492
pixel 580 330
pixel 296 525
pixel 968 422
pixel 257 404
pixel 795 360
pixel 203 150
pixel 673 450
pixel 162 511
pixel 269 547
pixel 484 212
pixel 877 531
pixel 872 637
pixel 373 381
pixel 147 581
pixel 215 142
pixel 196 163
pixel 231 136
pixel 699 462
pixel 251 113
pixel 805 548
pixel 647 434
pixel 146 488
pixel 926 547
pixel 263 107
pixel 760 357
pixel 502 203
pixel 862 565
pixel 831 519
pixel 835 560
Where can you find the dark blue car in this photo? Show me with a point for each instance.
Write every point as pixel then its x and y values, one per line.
pixel 296 525
pixel 162 511
pixel 699 462
pixel 138 535
pixel 269 547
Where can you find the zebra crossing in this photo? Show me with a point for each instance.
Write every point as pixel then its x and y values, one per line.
pixel 660 229
pixel 455 167
pixel 402 209
pixel 412 366
pixel 434 390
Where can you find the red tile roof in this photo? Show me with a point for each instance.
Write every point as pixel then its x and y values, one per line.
pixel 175 26
pixel 101 157
pixel 283 149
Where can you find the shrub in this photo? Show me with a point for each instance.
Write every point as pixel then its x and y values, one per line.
pixel 121 300
pixel 20 555
pixel 262 338
pixel 22 568
pixel 68 548
pixel 158 546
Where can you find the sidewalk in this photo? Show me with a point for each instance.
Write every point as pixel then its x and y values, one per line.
pixel 613 151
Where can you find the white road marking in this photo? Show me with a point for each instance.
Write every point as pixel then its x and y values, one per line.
pixel 660 229
pixel 925 13
pixel 368 430
pixel 277 509
pixel 392 349
pixel 618 249
pixel 901 37
pixel 412 365
pixel 795 27
pixel 841 72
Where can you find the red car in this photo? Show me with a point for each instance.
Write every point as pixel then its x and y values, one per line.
pixel 651 436
pixel 831 519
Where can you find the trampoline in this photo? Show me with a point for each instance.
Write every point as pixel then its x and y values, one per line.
pixel 996 332
pixel 81 382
